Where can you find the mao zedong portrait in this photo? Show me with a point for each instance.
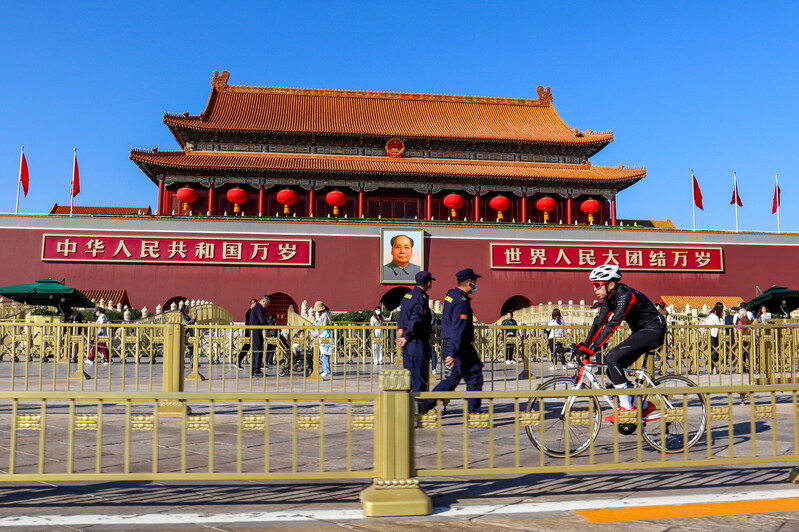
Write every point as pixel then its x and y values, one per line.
pixel 401 268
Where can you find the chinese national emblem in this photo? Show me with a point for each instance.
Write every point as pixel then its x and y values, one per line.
pixel 395 147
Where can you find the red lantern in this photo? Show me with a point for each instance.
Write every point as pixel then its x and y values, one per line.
pixel 187 195
pixel 590 207
pixel 453 202
pixel 237 196
pixel 546 205
pixel 287 198
pixel 336 199
pixel 500 203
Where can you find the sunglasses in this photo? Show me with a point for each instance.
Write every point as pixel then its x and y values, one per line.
pixel 599 285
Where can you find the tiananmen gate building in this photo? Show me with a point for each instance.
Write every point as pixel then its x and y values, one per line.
pixel 302 194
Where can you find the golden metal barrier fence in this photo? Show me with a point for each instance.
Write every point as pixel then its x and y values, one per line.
pixel 90 436
pixel 55 356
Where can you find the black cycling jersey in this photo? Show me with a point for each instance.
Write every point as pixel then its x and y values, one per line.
pixel 624 304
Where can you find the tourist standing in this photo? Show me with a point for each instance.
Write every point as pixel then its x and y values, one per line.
pixel 323 321
pixel 377 334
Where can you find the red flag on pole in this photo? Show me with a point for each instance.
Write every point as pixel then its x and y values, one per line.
pixel 697 194
pixel 23 174
pixel 75 176
pixel 736 198
pixel 775 203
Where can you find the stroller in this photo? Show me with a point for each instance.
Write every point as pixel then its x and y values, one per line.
pixel 297 357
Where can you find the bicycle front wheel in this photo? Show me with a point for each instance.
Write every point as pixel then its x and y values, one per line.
pixel 680 419
pixel 564 425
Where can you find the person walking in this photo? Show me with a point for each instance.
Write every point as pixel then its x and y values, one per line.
pixel 716 317
pixel 258 318
pixel 457 333
pixel 413 331
pixel 102 347
pixel 247 333
pixel 377 334
pixel 271 347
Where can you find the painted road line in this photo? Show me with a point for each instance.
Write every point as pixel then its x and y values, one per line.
pixel 641 513
pixel 617 505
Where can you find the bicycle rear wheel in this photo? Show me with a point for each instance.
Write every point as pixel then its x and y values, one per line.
pixel 564 425
pixel 682 419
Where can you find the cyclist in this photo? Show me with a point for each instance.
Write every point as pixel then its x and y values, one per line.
pixel 623 303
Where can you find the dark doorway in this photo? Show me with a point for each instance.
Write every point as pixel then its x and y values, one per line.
pixel 515 303
pixel 391 299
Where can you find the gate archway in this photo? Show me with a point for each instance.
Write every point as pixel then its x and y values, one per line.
pixel 515 303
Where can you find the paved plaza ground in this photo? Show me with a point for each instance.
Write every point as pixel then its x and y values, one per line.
pixel 533 502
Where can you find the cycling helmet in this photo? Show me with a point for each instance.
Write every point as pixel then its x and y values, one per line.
pixel 605 273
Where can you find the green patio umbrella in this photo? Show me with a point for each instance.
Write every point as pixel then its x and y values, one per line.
pixel 46 292
pixel 777 299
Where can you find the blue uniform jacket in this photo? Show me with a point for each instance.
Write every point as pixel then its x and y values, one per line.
pixel 457 325
pixel 414 318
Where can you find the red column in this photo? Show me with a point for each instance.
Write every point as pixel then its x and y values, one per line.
pixel 569 212
pixel 168 201
pixel 428 214
pixel 613 210
pixel 261 200
pixel 160 210
pixel 476 207
pixel 360 202
pixel 523 214
pixel 211 200
pixel 311 201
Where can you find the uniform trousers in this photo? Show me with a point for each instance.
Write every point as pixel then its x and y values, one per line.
pixel 467 368
pixel 416 359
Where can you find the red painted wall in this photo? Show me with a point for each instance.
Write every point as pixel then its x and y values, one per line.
pixel 346 269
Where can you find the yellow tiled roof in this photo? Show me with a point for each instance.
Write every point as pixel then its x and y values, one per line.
pixel 271 109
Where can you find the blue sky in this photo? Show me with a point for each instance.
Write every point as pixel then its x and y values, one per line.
pixel 709 86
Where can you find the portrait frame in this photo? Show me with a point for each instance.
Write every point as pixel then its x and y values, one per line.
pixel 390 271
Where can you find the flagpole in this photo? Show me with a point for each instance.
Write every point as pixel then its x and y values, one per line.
pixel 21 151
pixel 693 197
pixel 779 199
pixel 735 188
pixel 72 181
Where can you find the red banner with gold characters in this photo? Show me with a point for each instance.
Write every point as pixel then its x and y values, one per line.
pixel 642 258
pixel 178 250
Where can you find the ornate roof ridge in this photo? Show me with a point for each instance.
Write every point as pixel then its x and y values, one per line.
pixel 219 83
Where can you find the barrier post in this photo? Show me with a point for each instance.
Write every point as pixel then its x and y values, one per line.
pixel 395 493
pixel 173 370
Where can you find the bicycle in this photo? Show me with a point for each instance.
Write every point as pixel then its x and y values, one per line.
pixel 568 425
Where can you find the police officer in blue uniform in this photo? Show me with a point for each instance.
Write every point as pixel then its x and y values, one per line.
pixel 413 331
pixel 457 334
